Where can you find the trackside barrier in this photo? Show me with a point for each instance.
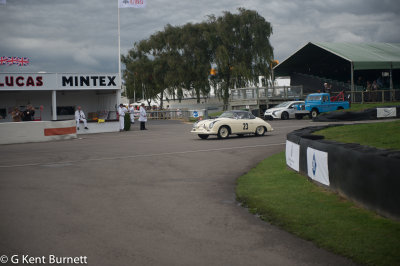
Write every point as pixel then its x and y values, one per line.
pixel 366 175
pixel 176 114
pixel 36 131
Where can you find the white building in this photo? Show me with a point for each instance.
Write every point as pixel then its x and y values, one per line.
pixel 56 95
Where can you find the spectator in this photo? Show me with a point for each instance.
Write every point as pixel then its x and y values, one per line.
pixel 80 116
pixel 374 89
pixel 16 115
pixel 121 112
pixel 29 113
pixel 326 87
pixel 132 113
pixel 368 90
pixel 142 117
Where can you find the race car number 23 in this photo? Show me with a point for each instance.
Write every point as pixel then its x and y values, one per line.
pixel 245 126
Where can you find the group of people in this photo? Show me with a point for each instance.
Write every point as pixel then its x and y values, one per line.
pixel 26 115
pixel 122 110
pixel 370 88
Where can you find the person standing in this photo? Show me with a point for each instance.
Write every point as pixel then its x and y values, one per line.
pixel 80 116
pixel 132 113
pixel 16 115
pixel 29 113
pixel 142 117
pixel 121 112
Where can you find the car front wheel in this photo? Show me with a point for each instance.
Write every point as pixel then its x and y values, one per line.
pixel 260 131
pixel 223 132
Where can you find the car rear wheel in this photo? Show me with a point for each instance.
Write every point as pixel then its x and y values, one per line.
pixel 223 132
pixel 284 116
pixel 203 136
pixel 260 131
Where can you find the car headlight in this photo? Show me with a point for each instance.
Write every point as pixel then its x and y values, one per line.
pixel 210 126
pixel 195 124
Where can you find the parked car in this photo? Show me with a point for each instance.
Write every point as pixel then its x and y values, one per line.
pixel 317 103
pixel 231 122
pixel 285 111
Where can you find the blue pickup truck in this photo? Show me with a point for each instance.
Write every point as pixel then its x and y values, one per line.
pixel 317 103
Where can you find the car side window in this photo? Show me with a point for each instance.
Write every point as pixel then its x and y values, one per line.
pixel 241 115
pixel 252 116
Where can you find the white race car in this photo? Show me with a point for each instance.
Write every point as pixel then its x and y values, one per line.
pixel 285 111
pixel 231 122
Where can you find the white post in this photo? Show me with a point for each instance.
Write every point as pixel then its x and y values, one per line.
pixel 118 94
pixel 54 104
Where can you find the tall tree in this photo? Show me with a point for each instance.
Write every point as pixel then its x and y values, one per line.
pixel 181 57
pixel 242 50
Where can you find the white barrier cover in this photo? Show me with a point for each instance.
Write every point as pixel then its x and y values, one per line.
pixel 293 155
pixel 386 112
pixel 317 166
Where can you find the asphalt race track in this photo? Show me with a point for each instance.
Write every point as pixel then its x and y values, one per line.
pixel 156 197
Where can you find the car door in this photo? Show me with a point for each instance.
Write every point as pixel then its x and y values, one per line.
pixel 248 122
pixel 236 124
pixel 292 110
pixel 242 125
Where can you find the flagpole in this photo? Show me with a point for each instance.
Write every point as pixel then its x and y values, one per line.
pixel 119 59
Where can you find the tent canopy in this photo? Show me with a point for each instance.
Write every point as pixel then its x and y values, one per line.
pixel 364 56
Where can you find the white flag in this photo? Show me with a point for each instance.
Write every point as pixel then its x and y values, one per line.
pixel 130 3
pixel 3 2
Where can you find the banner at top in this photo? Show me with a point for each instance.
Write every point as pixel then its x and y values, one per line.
pixel 132 3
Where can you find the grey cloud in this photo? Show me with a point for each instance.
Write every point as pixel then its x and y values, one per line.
pixel 81 35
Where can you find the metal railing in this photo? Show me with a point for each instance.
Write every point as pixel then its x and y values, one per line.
pixel 169 114
pixel 374 96
pixel 265 93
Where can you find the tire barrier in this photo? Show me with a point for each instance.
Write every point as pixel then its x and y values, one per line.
pixel 365 175
pixel 367 114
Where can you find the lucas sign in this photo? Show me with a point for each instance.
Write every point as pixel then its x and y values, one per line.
pixel 57 81
pixel 317 166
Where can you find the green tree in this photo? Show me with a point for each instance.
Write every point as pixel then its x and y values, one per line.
pixel 180 58
pixel 242 50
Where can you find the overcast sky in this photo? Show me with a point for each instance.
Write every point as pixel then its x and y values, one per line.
pixel 81 35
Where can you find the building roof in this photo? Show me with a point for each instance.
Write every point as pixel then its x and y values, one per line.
pixel 362 55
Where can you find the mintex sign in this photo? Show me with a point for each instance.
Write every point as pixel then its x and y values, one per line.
pixel 57 81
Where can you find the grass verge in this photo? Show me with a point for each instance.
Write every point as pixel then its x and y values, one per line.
pixel 287 199
pixel 355 107
pixel 383 135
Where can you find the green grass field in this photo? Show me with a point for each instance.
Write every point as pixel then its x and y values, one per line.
pixel 385 135
pixel 287 199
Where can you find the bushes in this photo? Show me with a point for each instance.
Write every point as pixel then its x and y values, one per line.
pixel 127 122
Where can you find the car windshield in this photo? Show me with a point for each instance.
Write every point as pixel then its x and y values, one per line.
pixel 284 104
pixel 228 114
